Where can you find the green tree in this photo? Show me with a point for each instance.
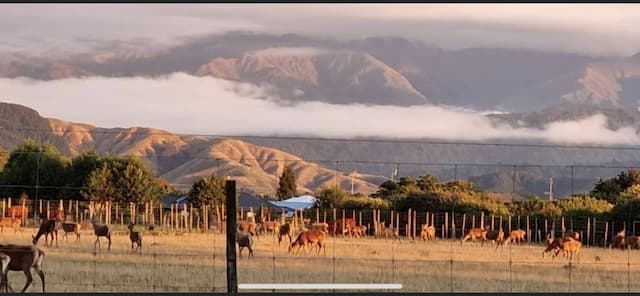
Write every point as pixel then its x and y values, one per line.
pixel 134 182
pixel 99 186
pixel 388 189
pixel 78 172
pixel 4 157
pixel 207 191
pixel 332 197
pixel 427 182
pixel 610 189
pixel 30 164
pixel 287 187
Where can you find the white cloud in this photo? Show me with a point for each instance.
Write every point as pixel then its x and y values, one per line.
pixel 584 28
pixel 288 51
pixel 203 105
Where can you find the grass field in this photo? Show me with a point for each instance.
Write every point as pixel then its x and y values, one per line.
pixel 196 263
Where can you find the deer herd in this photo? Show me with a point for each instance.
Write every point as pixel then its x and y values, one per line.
pixel 26 257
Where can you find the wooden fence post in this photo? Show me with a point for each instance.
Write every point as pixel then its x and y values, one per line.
pixel 446 224
pixel 588 231
pixel 528 231
pixel 594 231
pixel 606 231
pixel 464 222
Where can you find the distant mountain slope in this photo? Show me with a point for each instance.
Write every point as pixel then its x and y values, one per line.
pixel 376 70
pixel 340 77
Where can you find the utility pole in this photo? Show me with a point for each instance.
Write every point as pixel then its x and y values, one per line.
pixel 550 192
pixel 231 202
pixel 353 175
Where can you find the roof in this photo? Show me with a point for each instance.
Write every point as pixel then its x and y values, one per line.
pixel 246 200
pixel 296 203
pixel 169 200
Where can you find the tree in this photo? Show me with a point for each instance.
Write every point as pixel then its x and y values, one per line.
pixel 78 172
pixel 134 182
pixel 427 182
pixel 287 187
pixel 328 198
pixel 610 189
pixel 207 191
pixel 4 157
pixel 100 187
pixel 30 164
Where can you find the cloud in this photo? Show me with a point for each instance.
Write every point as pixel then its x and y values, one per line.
pixel 288 51
pixel 603 29
pixel 187 104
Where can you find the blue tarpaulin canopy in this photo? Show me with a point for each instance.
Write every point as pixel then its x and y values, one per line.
pixel 296 203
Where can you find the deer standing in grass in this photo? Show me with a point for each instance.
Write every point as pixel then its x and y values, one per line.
pixel 10 222
pixel 47 228
pixel 135 237
pixel 70 228
pixel 101 230
pixel 21 258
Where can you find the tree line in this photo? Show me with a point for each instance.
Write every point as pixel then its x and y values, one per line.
pixel 104 177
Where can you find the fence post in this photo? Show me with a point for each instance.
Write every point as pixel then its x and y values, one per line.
pixel 588 231
pixel 232 276
pixel 528 231
pixel 482 219
pixel 594 231
pixel 446 224
pixel 606 231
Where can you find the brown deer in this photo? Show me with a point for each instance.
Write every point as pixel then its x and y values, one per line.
pixel 285 229
pixel 269 226
pixel 47 227
pixel 70 228
pixel 308 238
pixel 101 230
pixel 569 247
pixel 474 233
pixel 22 258
pixel 10 222
pixel 135 237
pixel 428 232
pixel 516 236
pixel 556 244
pixel 618 241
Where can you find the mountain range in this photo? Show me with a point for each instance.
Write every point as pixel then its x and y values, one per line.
pixel 374 71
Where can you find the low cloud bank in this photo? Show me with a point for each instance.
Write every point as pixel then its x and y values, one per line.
pixel 188 104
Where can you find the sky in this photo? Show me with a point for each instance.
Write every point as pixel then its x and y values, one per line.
pixel 596 29
pixel 211 106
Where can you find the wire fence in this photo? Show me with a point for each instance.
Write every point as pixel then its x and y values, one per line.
pixel 440 266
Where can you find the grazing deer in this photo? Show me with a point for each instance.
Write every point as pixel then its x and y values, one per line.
pixel 428 232
pixel 48 227
pixel 473 234
pixel 285 229
pixel 309 238
pixel 618 241
pixel 556 244
pixel 244 240
pixel 22 258
pixel 70 228
pixel 101 230
pixel 516 236
pixel 10 222
pixel 135 237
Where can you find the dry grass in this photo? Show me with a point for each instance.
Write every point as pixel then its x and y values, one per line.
pixel 196 262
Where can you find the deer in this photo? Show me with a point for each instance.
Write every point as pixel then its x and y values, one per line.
pixel 70 228
pixel 428 232
pixel 285 229
pixel 269 226
pixel 244 240
pixel 47 227
pixel 516 236
pixel 135 237
pixel 309 237
pixel 21 258
pixel 101 230
pixel 10 222
pixel 473 234
pixel 556 244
